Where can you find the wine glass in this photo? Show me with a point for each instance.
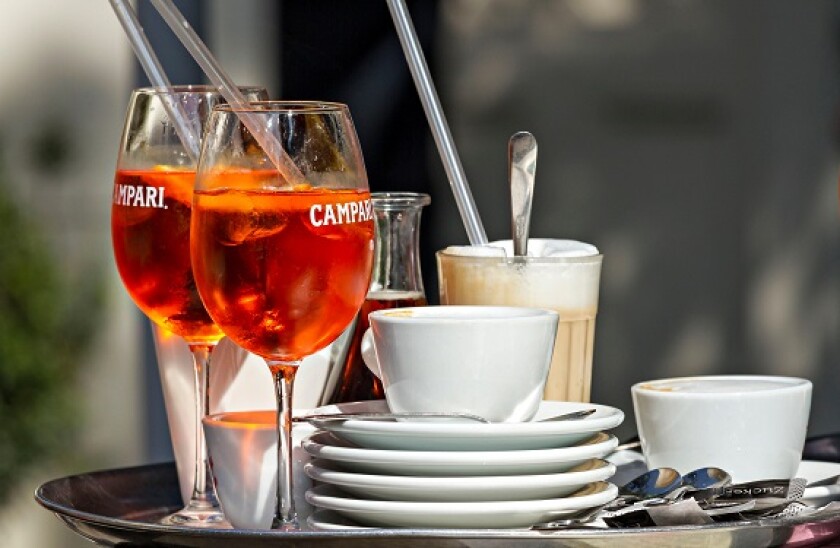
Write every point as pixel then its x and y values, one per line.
pixel 282 247
pixel 150 230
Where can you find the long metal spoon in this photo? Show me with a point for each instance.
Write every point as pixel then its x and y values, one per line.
pixel 386 416
pixel 522 166
pixel 574 415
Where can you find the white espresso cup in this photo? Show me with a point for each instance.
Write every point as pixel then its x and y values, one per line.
pixel 490 361
pixel 753 427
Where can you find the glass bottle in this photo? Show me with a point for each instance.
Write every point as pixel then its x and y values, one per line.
pixel 396 282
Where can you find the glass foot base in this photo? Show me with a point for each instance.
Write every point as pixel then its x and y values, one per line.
pixel 198 515
pixel 287 525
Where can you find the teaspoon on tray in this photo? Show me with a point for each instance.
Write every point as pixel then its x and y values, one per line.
pixel 650 485
pixel 575 415
pixel 657 486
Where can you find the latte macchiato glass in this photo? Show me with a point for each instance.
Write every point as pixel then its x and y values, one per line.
pixel 566 284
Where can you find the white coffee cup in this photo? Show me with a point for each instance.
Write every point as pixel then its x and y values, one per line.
pixel 490 361
pixel 753 427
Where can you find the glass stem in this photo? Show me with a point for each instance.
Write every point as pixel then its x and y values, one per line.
pixel 285 516
pixel 203 495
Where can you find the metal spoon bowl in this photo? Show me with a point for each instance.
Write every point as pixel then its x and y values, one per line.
pixel 698 480
pixel 522 167
pixel 704 478
pixel 653 483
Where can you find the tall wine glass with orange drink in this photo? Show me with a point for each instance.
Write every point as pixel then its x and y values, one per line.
pixel 150 230
pixel 282 261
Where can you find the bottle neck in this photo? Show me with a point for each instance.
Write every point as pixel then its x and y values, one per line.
pixel 396 266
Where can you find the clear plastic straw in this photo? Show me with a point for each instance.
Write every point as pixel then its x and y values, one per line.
pixel 199 51
pixel 154 70
pixel 437 121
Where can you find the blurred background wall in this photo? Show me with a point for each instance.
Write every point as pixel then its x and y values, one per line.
pixel 696 144
pixel 693 141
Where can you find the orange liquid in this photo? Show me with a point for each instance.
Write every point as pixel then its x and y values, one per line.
pixel 275 274
pixel 150 230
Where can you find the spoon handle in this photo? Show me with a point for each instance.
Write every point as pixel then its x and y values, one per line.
pixel 574 415
pixel 522 166
pixel 387 416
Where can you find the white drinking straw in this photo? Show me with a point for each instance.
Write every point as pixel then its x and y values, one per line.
pixel 256 125
pixel 154 70
pixel 437 121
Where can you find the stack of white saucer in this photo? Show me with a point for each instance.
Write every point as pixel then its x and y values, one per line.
pixel 459 474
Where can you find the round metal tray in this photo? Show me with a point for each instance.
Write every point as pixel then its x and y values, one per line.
pixel 121 507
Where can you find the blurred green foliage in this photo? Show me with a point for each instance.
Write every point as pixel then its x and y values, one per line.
pixel 44 330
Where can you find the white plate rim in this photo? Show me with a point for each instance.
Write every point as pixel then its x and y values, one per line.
pixel 316 446
pixel 817 496
pixel 807 469
pixel 324 520
pixel 605 418
pixel 326 496
pixel 532 481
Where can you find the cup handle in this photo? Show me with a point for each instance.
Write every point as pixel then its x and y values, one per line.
pixel 369 354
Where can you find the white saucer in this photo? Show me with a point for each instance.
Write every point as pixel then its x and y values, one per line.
pixel 495 514
pixel 472 436
pixel 461 489
pixel 324 445
pixel 813 471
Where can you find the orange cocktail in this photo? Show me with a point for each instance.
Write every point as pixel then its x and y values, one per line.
pixel 150 230
pixel 282 241
pixel 282 271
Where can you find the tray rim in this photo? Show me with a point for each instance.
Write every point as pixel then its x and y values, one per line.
pixel 65 513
